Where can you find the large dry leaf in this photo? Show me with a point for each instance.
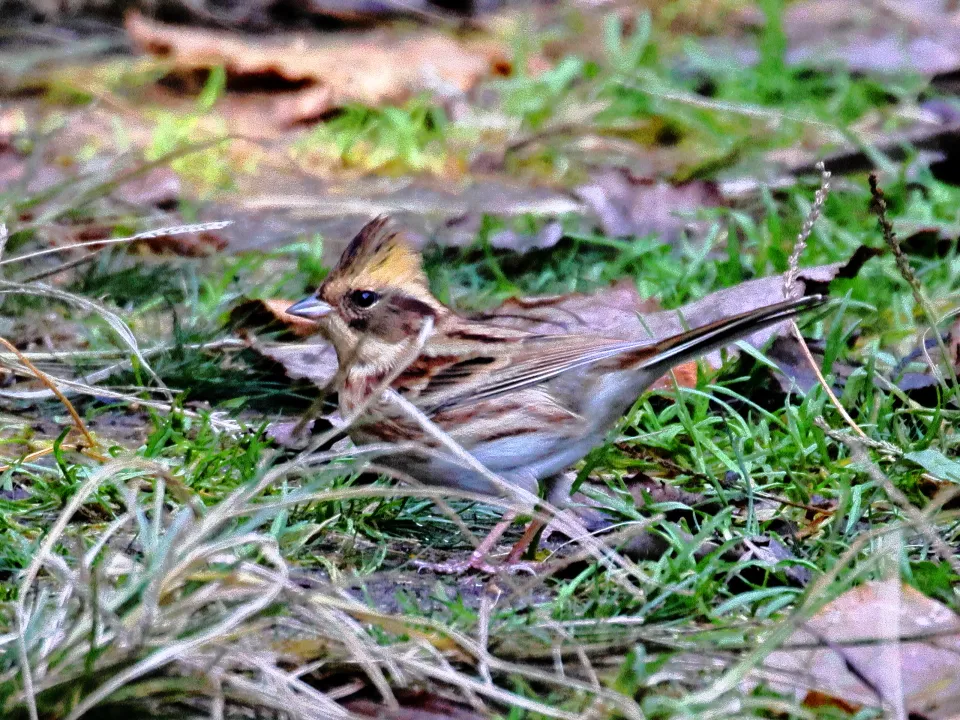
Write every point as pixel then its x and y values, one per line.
pixel 274 207
pixel 617 311
pixel 886 37
pixel 889 37
pixel 628 205
pixel 883 644
pixel 369 68
pixel 307 357
pixel 314 361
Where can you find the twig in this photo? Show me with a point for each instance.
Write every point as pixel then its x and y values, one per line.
pixel 145 235
pixel 42 377
pixel 788 290
pixel 4 236
pixel 878 204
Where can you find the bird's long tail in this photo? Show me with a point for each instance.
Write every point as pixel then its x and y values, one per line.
pixel 699 341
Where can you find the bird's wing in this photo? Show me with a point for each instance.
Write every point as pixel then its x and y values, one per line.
pixel 531 362
pixel 445 377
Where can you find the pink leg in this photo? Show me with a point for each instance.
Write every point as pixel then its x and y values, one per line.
pixel 524 542
pixel 478 558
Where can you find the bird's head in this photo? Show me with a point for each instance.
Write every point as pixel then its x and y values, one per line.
pixel 377 291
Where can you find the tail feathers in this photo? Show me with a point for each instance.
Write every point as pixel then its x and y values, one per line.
pixel 701 340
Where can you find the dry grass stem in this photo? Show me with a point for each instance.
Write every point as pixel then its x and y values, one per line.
pixel 115 322
pixel 45 379
pixel 789 290
pixel 145 235
pixel 879 206
pixel 151 611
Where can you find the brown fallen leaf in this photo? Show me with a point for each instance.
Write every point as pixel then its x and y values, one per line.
pixel 747 296
pixel 886 37
pixel 200 244
pixel 263 313
pixel 158 187
pixel 605 312
pixel 934 371
pixel 415 705
pixel 617 311
pixel 314 361
pixel 294 434
pixel 626 204
pixel 324 72
pixel 882 644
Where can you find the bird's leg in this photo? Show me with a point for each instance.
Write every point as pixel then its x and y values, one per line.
pixel 478 558
pixel 557 493
pixel 530 535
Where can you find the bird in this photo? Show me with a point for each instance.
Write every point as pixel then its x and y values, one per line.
pixel 525 405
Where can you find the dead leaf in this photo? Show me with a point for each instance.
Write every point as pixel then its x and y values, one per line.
pixel 794 373
pixel 415 705
pixel 769 552
pixel 314 361
pixel 263 314
pixel 902 36
pixel 326 71
pixel 294 434
pixel 627 205
pixel 934 372
pixel 646 489
pixel 159 187
pixel 888 37
pixel 200 244
pixel 605 312
pixel 747 296
pixel 617 311
pixel 882 644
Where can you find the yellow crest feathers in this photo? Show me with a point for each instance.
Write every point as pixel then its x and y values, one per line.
pixel 379 256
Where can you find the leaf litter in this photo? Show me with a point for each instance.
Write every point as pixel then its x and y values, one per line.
pixel 881 644
pixel 617 307
pixel 331 70
pixel 907 36
pixel 617 311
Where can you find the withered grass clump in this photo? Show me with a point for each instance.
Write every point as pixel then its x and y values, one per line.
pixel 173 607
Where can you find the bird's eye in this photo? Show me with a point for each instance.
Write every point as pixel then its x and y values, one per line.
pixel 364 298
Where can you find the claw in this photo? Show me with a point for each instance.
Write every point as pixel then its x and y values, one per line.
pixel 477 564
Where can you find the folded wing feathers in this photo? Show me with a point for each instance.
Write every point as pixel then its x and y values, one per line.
pixel 548 363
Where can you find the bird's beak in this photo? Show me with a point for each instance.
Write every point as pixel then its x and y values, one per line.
pixel 311 308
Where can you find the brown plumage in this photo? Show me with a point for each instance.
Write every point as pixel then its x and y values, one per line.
pixel 527 406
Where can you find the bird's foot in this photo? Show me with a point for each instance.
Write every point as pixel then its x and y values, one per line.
pixel 477 563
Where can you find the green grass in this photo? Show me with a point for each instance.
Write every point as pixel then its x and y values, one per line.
pixel 751 451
